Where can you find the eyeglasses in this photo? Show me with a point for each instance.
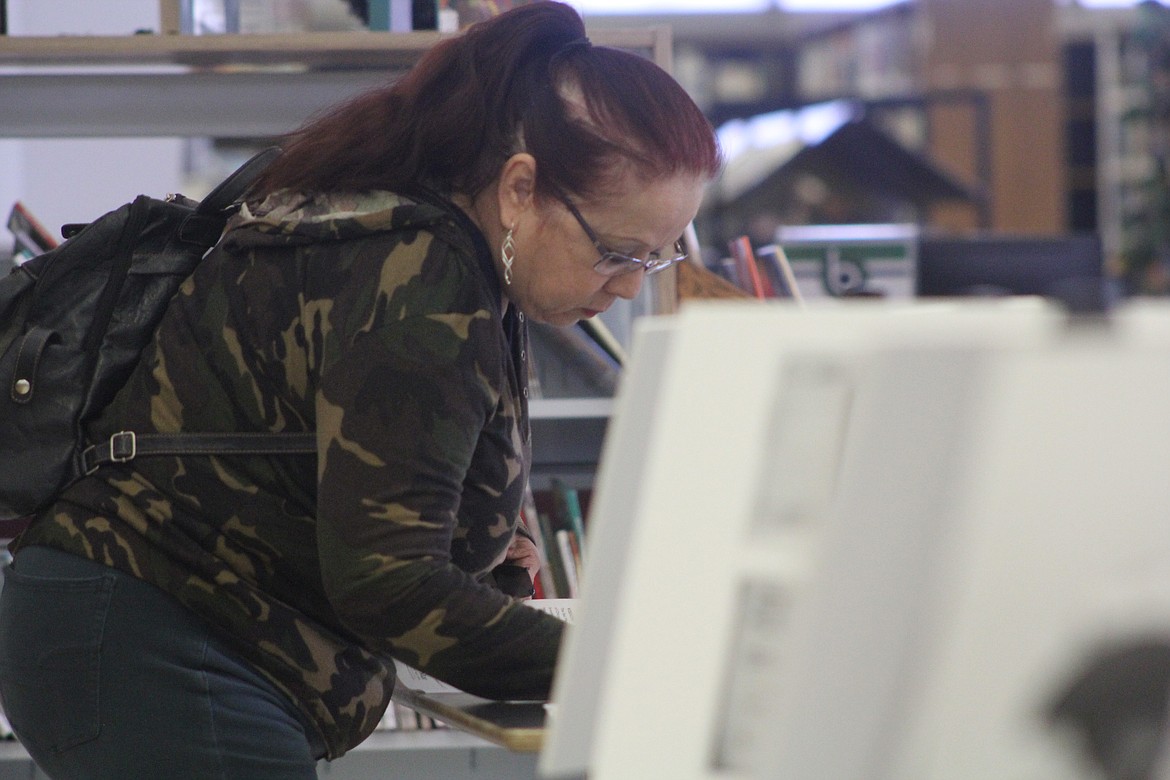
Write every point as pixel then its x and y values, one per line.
pixel 615 263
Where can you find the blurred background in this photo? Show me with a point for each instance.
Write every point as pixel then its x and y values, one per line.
pixel 1034 118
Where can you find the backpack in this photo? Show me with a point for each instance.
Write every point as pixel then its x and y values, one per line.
pixel 73 323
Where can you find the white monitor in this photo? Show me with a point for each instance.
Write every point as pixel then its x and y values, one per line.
pixel 718 478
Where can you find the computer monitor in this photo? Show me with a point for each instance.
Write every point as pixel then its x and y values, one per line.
pixel 995 265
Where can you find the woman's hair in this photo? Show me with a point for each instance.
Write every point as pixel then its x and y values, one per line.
pixel 473 100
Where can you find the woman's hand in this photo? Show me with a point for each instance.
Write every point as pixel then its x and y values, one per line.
pixel 523 552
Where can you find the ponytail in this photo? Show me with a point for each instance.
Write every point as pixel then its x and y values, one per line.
pixel 472 101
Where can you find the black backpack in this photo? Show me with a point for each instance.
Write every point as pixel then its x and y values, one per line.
pixel 73 323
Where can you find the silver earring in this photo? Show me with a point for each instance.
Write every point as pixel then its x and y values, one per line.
pixel 508 255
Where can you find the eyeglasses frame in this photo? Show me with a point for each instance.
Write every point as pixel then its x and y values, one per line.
pixel 630 264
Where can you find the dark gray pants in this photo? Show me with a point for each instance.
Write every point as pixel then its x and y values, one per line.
pixel 105 676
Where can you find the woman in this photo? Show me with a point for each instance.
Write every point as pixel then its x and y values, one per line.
pixel 211 616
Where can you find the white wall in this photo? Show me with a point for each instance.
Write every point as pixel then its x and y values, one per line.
pixel 71 179
pixel 81 17
pixel 65 180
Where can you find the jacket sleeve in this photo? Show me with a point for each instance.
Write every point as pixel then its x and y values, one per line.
pixel 401 415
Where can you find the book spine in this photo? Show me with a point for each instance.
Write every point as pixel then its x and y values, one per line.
pixel 568 503
pixel 546 586
pixel 780 271
pixel 425 15
pixel 768 289
pixel 571 561
pixel 728 270
pixel 170 17
pixel 604 338
pixel 556 566
pixel 745 263
pixel 391 15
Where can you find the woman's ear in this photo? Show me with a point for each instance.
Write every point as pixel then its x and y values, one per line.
pixel 517 187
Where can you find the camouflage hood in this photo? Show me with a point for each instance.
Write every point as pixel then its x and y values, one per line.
pixel 289 219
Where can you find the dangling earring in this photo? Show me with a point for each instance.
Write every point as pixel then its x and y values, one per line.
pixel 508 254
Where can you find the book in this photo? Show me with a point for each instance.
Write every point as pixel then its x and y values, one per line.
pixel 570 561
pixel 767 289
pixel 696 282
pixel 562 509
pixel 424 15
pixel 30 237
pixel 726 268
pixel 545 584
pixel 391 15
pixel 170 17
pixel 571 362
pixel 746 267
pixel 572 519
pixel 775 264
pixel 604 338
pixel 553 558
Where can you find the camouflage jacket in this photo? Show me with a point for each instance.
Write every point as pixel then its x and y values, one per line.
pixel 375 321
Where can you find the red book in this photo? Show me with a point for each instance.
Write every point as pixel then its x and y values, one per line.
pixel 747 267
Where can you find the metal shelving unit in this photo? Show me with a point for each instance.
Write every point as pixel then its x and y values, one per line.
pixel 208 85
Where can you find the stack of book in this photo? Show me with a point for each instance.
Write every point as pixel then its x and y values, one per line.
pixel 556 520
pixel 762 273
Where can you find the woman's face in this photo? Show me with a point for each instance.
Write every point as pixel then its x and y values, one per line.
pixel 553 276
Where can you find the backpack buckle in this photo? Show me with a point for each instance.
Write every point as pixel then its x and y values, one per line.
pixel 119 448
pixel 123 446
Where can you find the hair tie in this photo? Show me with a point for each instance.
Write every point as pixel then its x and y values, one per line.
pixel 582 42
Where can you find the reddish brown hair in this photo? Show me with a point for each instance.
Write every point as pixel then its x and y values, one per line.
pixel 462 110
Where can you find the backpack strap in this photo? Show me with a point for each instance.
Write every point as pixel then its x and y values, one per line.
pixel 127 445
pixel 204 226
pixel 231 189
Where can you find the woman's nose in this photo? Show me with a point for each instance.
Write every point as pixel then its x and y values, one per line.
pixel 625 285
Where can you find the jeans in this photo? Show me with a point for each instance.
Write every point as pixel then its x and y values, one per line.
pixel 105 676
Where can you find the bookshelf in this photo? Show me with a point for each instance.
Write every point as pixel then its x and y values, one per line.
pixel 209 85
pixel 350 50
pixel 359 50
pixel 979 93
pixel 244 86
pixel 1127 51
pixel 569 433
pixel 876 56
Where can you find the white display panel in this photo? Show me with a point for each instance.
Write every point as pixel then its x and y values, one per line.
pixel 732 463
pixel 937 633
pixel 584 661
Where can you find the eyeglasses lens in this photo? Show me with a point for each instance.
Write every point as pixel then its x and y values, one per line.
pixel 615 263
